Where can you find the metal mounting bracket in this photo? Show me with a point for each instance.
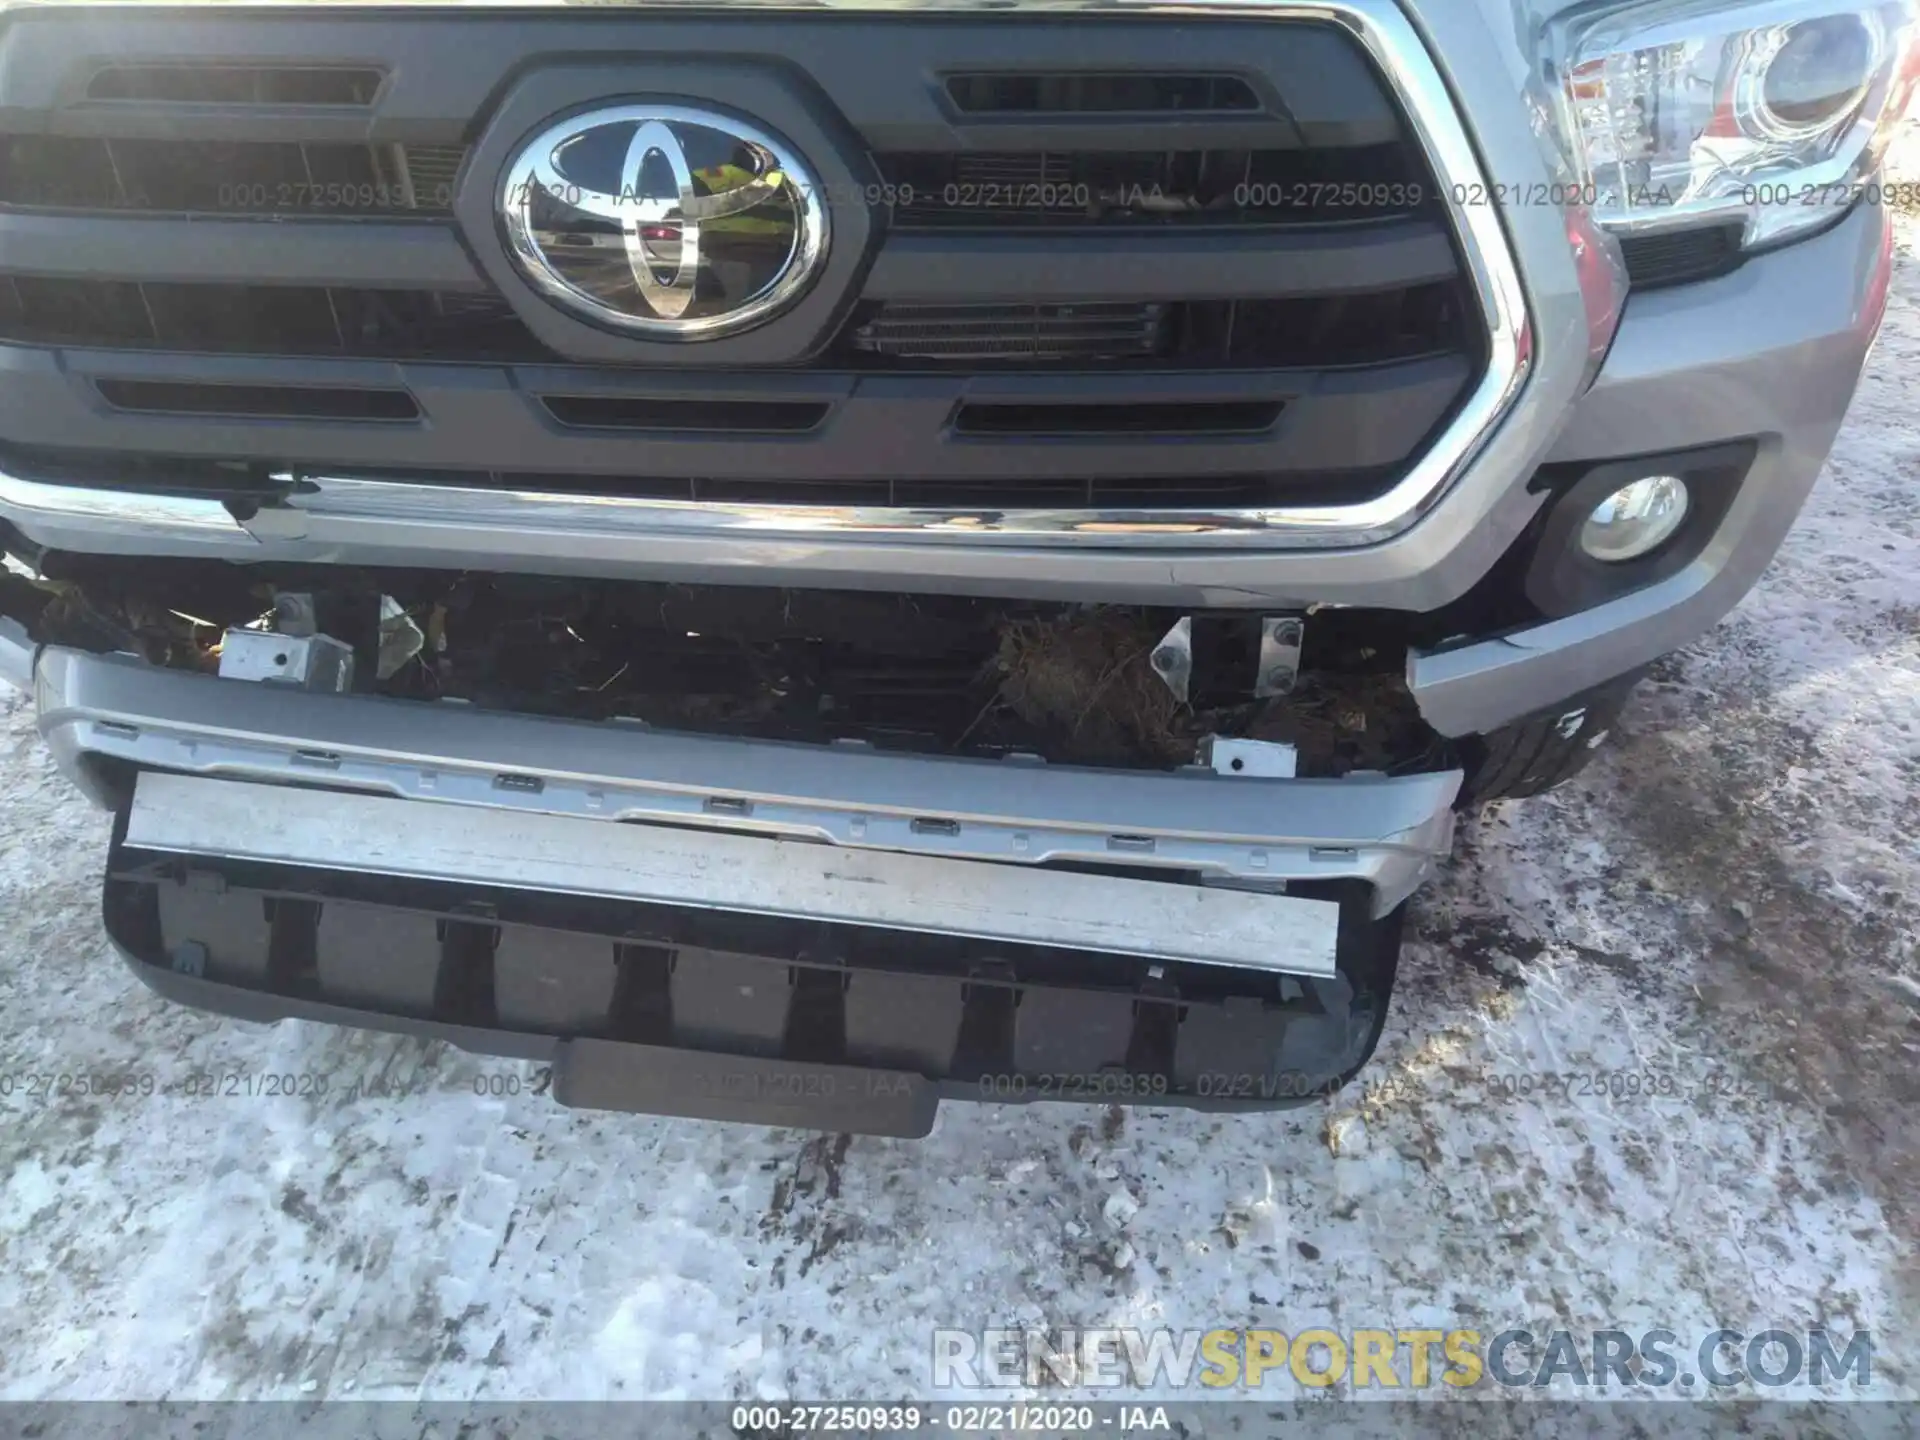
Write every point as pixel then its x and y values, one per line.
pixel 1173 657
pixel 1280 640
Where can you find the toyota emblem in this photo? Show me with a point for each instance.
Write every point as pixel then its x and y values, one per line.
pixel 664 221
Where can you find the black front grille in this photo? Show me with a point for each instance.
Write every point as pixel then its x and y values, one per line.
pixel 1092 281
pixel 318 179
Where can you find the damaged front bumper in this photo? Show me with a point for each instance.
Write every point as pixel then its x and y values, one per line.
pixel 1385 833
pixel 642 909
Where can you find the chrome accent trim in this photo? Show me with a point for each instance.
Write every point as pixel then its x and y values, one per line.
pixel 1388 832
pixel 16 654
pixel 1401 57
pixel 27 502
pixel 713 870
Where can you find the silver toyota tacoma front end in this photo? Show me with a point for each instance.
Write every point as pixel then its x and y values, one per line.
pixel 792 560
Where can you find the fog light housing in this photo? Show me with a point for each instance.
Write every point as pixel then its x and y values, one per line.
pixel 1612 526
pixel 1636 519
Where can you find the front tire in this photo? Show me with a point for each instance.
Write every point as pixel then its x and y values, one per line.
pixel 1532 756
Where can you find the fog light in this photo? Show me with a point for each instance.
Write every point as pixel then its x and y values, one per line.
pixel 1636 519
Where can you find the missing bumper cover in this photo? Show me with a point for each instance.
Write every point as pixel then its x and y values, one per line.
pixel 737 1018
pixel 104 715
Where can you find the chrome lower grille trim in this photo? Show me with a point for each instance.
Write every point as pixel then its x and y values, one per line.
pixel 361 514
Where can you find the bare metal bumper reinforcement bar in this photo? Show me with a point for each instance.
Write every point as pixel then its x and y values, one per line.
pixel 711 870
pixel 828 936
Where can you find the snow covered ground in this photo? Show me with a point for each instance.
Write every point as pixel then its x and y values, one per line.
pixel 1729 899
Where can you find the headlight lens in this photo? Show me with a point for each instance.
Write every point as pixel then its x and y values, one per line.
pixel 1772 113
pixel 1820 73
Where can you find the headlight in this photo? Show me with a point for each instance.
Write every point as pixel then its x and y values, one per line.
pixel 1771 112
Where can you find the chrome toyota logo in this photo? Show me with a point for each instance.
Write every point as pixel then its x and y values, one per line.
pixel 664 221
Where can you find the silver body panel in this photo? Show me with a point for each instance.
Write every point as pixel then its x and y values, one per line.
pixel 1773 350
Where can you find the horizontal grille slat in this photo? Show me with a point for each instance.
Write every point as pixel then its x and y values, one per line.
pixel 1190 418
pixel 1011 348
pixel 401 324
pixel 398 254
pixel 89 312
pixel 317 179
pixel 719 417
pixel 1084 333
pixel 1111 188
pixel 1341 331
pixel 954 267
pixel 1346 330
pixel 1080 93
pixel 1000 329
pixel 280 402
pixel 258 319
pixel 232 84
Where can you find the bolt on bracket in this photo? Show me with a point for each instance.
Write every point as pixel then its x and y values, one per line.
pixel 1172 658
pixel 1280 639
